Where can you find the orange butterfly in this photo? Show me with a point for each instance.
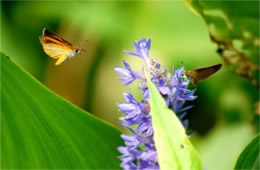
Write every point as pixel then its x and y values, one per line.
pixel 58 48
pixel 202 73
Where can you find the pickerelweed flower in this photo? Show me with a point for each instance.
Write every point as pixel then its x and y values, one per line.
pixel 139 151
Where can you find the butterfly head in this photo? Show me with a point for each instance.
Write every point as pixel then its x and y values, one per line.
pixel 77 50
pixel 188 74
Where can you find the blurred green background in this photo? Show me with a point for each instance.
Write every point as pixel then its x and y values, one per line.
pixel 223 116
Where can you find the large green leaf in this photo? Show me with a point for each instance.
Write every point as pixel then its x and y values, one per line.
pixel 40 130
pixel 234 26
pixel 250 155
pixel 174 148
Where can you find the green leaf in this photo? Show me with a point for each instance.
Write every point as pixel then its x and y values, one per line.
pixel 174 148
pixel 40 130
pixel 234 26
pixel 249 155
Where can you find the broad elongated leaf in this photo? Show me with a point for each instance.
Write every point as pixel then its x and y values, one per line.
pixel 234 26
pixel 249 155
pixel 175 150
pixel 40 130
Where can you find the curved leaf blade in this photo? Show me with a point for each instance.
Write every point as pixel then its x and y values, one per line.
pixel 40 130
pixel 174 149
pixel 249 155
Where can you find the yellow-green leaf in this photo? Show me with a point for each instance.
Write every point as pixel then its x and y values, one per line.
pixel 174 148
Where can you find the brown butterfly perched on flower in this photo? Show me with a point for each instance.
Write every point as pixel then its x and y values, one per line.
pixel 201 73
pixel 58 48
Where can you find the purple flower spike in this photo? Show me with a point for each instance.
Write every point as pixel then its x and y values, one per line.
pixel 128 157
pixel 139 152
pixel 131 141
pixel 141 48
pixel 128 73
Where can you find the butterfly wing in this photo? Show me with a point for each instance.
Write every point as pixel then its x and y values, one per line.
pixel 202 73
pixel 55 47
pixel 50 34
pixel 61 59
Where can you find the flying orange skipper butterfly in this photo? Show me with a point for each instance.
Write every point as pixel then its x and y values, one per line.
pixel 58 48
pixel 202 73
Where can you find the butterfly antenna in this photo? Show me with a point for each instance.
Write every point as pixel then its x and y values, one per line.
pixel 83 50
pixel 83 42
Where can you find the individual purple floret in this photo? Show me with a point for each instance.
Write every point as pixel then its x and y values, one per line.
pixel 139 151
pixel 128 73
